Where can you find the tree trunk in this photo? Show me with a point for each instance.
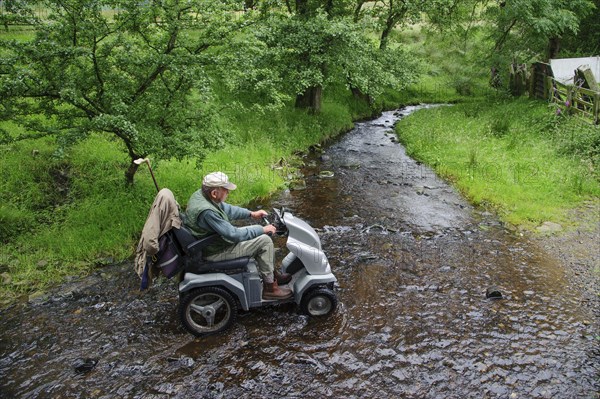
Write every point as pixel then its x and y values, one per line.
pixel 359 95
pixel 130 172
pixel 310 99
pixel 329 8
pixel 389 26
pixel 358 10
pixel 553 47
pixel 302 7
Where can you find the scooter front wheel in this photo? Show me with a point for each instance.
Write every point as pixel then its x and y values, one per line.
pixel 207 310
pixel 318 302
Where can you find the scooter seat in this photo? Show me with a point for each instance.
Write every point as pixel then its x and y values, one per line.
pixel 192 248
pixel 223 266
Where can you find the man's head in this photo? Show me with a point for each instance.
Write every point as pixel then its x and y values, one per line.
pixel 216 186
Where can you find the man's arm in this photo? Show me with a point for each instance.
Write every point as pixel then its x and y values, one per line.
pixel 226 230
pixel 235 212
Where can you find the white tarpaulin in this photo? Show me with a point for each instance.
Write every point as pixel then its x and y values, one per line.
pixel 564 69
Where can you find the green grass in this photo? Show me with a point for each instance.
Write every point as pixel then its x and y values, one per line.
pixel 504 154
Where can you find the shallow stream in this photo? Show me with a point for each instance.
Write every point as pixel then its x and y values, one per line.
pixel 413 260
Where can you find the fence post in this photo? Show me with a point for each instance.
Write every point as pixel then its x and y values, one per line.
pixel 549 89
pixel 596 107
pixel 569 102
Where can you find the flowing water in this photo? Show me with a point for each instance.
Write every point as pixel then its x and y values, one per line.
pixel 413 260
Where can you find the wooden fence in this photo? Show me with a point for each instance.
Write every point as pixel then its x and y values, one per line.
pixel 575 100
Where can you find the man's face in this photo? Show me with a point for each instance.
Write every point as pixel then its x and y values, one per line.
pixel 219 194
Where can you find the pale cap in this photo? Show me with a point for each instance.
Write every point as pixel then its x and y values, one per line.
pixel 218 179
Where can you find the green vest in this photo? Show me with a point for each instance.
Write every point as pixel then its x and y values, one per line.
pixel 196 205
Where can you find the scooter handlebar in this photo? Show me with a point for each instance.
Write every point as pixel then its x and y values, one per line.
pixel 277 223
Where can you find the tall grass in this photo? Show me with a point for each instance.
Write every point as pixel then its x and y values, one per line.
pixel 503 154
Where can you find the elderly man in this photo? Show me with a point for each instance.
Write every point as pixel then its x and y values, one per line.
pixel 207 213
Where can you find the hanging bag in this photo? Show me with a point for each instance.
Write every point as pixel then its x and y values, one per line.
pixel 167 259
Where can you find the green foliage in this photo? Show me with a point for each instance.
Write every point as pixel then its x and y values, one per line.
pixel 523 31
pixel 15 12
pixel 500 126
pixel 284 56
pixel 388 15
pixel 577 138
pixel 14 221
pixel 139 74
pixel 585 41
pixel 498 34
pixel 450 73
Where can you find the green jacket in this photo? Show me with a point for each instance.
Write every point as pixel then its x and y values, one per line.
pixel 204 218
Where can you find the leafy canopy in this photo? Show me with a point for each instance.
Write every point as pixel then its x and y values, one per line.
pixel 138 73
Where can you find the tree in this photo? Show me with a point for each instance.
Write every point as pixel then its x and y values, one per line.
pixel 301 57
pixel 139 74
pixel 523 31
pixel 311 44
pixel 586 42
pixel 14 12
pixel 391 14
pixel 533 28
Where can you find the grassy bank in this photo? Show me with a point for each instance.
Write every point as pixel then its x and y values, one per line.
pixel 514 156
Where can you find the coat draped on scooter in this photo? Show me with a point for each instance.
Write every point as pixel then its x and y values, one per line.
pixel 163 216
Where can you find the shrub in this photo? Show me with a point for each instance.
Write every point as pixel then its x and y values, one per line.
pixel 500 126
pixel 13 221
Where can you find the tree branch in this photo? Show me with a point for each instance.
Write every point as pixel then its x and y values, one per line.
pixel 160 68
pixel 500 42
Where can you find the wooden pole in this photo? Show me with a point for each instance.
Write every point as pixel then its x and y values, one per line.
pixel 596 107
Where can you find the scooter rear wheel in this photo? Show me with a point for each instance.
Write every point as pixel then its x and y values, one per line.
pixel 207 310
pixel 318 302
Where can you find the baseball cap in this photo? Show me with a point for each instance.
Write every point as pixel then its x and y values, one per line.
pixel 218 179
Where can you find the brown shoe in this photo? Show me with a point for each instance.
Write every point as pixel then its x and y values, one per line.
pixel 273 291
pixel 282 278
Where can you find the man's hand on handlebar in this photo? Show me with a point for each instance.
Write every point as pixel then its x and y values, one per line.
pixel 269 229
pixel 258 214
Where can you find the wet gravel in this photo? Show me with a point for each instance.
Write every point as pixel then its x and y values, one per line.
pixel 414 262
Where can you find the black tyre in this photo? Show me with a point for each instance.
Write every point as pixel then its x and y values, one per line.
pixel 318 302
pixel 207 310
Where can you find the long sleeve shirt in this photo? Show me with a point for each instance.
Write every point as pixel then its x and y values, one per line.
pixel 211 220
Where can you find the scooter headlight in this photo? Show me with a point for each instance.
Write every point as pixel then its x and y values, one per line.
pixel 326 266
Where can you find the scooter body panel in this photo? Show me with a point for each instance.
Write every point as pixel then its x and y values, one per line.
pixel 253 285
pixel 301 231
pixel 246 286
pixel 313 259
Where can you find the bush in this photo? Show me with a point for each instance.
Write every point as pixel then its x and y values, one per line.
pixel 500 126
pixel 13 222
pixel 580 139
pixel 463 86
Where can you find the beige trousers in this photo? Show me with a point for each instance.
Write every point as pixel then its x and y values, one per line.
pixel 260 248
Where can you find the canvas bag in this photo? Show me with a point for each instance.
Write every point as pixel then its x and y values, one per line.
pixel 167 259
